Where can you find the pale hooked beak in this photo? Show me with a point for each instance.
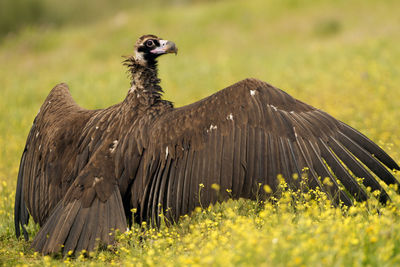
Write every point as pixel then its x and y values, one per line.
pixel 165 47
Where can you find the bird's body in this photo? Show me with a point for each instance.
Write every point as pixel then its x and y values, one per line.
pixel 83 171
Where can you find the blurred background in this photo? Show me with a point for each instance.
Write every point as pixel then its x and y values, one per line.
pixel 341 56
pixel 18 14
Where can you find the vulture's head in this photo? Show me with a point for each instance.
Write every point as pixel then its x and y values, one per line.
pixel 149 47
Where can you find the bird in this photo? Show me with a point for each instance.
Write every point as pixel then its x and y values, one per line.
pixel 85 173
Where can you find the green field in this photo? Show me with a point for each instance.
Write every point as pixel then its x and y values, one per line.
pixel 340 56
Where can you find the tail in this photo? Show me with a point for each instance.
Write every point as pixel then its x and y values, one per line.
pixel 21 215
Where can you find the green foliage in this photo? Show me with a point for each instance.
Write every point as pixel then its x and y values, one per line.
pixel 348 68
pixel 16 13
pixel 19 14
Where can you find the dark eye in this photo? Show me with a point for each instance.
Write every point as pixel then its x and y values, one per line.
pixel 149 43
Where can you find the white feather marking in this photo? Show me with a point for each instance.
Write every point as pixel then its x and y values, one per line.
pixel 37 134
pixel 97 180
pixel 230 117
pixel 252 92
pixel 212 127
pixel 294 130
pixel 139 56
pixel 97 127
pixel 166 152
pixel 114 146
pixel 40 146
pixel 291 112
pixel 273 107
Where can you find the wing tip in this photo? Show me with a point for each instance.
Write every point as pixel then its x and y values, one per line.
pixel 370 146
pixel 21 215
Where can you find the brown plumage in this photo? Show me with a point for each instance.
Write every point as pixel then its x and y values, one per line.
pixel 83 171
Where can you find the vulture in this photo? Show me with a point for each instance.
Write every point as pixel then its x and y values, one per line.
pixel 83 172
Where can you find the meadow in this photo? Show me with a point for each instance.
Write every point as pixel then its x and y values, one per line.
pixel 340 56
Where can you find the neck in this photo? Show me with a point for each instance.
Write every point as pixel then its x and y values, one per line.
pixel 144 78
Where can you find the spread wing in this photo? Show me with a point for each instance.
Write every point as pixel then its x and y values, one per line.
pixel 49 156
pixel 90 207
pixel 243 137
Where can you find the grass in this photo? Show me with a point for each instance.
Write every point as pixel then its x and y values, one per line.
pixel 339 56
